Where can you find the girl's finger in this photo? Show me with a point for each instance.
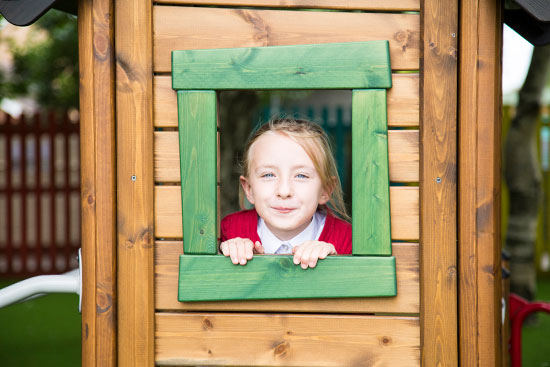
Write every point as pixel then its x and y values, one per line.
pixel 233 253
pixel 306 256
pixel 258 248
pixel 241 252
pixel 248 249
pixel 297 254
pixel 224 249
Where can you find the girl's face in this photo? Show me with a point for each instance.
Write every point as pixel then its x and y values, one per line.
pixel 283 185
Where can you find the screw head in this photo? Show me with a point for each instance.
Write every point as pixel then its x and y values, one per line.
pixel 438 180
pixel 134 178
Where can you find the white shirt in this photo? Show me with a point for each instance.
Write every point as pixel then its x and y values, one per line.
pixel 271 243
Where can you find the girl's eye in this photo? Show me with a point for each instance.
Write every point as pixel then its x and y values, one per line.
pixel 268 175
pixel 301 175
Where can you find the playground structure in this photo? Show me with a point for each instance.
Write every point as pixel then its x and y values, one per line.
pixel 445 100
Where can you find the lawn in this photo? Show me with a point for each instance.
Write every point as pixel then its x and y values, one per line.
pixel 42 332
pixel 536 339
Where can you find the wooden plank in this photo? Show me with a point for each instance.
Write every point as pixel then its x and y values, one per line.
pixel 438 139
pixel 319 66
pixel 198 150
pixel 403 150
pixel 370 174
pixel 88 212
pixel 403 101
pixel 134 182
pixel 406 256
pixel 214 278
pixel 97 141
pixel 479 194
pixel 404 208
pixel 396 5
pixel 207 339
pixel 186 28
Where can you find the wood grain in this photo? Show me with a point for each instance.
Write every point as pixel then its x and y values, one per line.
pixel 403 101
pixel 198 149
pixel 345 65
pixel 438 181
pixel 289 340
pixel 402 145
pixel 134 99
pixel 215 278
pixel 396 5
pixel 479 195
pixel 97 139
pixel 404 208
pixel 407 300
pixel 186 28
pixel 370 174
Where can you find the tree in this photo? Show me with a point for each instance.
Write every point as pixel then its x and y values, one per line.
pixel 45 67
pixel 523 177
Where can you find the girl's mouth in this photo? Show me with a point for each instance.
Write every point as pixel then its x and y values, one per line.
pixel 283 209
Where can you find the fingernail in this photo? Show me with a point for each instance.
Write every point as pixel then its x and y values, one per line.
pixel 312 264
pixel 296 261
pixel 243 261
pixel 304 266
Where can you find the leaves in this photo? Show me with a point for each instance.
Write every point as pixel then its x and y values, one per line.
pixel 45 67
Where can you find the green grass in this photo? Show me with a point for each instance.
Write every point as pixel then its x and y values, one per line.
pixel 41 332
pixel 535 343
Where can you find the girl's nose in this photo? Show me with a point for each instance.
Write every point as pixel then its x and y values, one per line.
pixel 284 188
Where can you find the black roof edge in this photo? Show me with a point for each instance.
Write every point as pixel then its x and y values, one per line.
pixel 26 12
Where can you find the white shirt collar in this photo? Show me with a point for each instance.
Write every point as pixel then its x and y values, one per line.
pixel 313 231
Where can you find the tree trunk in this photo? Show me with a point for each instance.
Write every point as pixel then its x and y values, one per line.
pixel 523 177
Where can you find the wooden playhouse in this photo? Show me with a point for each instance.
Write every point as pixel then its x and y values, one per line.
pixel 443 121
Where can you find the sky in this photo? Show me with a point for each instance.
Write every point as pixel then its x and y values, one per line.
pixel 516 57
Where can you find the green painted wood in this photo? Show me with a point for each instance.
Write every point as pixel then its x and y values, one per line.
pixel 319 66
pixel 208 278
pixel 198 146
pixel 370 174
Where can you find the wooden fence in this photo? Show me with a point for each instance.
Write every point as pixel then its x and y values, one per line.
pixel 39 194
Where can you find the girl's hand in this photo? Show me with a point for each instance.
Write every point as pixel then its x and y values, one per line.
pixel 309 252
pixel 241 249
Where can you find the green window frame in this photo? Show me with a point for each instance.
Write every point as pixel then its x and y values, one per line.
pixel 364 67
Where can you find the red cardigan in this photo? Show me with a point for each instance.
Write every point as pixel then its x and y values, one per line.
pixel 244 224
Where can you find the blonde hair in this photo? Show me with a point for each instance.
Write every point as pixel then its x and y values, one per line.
pixel 313 139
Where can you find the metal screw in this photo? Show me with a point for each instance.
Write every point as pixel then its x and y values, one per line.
pixel 438 180
pixel 453 35
pixel 134 178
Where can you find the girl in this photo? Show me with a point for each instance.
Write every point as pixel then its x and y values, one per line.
pixel 290 176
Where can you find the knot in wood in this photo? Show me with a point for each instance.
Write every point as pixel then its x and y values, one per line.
pixel 403 38
pixel 207 324
pixel 285 263
pixel 281 349
pixel 104 302
pixel 385 340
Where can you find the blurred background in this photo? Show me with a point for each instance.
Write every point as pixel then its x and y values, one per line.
pixel 40 185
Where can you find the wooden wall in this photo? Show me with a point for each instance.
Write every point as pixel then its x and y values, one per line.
pixel 288 332
pixel 131 194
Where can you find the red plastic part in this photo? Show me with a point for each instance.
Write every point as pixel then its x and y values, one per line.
pixel 520 308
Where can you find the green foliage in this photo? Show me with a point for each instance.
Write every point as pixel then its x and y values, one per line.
pixel 45 67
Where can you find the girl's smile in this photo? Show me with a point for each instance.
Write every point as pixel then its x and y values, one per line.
pixel 283 184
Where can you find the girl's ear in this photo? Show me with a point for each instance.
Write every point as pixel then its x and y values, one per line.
pixel 247 189
pixel 327 192
pixel 325 197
